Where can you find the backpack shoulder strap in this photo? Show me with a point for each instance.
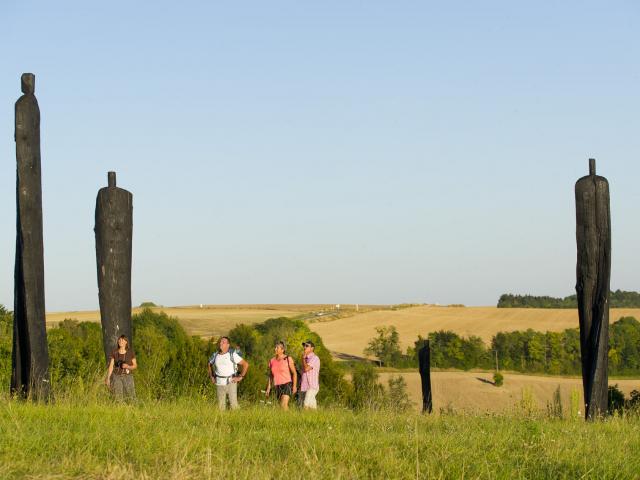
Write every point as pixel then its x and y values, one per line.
pixel 212 358
pixel 233 360
pixel 289 362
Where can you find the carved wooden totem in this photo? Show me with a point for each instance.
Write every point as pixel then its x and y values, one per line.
pixel 30 357
pixel 424 358
pixel 593 272
pixel 113 229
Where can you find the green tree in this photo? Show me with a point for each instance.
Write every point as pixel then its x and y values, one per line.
pixel 385 346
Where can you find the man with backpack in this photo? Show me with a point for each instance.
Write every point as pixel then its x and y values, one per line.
pixel 223 372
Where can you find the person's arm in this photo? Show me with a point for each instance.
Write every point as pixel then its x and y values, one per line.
pixel 131 366
pixel 267 390
pixel 245 366
pixel 212 375
pixel 294 374
pixel 107 381
pixel 305 366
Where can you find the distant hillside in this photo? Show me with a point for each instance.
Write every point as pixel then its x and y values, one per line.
pixel 618 299
pixel 350 335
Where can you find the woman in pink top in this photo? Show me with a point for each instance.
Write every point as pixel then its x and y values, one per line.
pixel 283 375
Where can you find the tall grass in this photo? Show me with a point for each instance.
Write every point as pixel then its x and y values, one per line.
pixel 75 438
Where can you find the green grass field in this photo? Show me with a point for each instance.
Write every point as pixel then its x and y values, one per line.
pixel 191 439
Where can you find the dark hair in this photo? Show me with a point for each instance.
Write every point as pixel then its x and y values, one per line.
pixel 124 337
pixel 282 344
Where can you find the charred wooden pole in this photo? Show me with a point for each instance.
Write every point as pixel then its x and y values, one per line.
pixel 424 358
pixel 30 357
pixel 113 229
pixel 593 272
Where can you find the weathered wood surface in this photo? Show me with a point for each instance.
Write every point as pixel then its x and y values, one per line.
pixel 30 356
pixel 593 273
pixel 424 359
pixel 114 229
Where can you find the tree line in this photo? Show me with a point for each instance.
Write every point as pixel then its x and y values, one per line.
pixel 173 364
pixel 525 351
pixel 617 299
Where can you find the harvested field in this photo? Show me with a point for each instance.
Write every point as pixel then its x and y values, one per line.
pixel 219 319
pixel 206 321
pixel 474 392
pixel 350 335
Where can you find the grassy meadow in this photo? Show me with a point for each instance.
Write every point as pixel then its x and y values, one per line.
pixel 190 439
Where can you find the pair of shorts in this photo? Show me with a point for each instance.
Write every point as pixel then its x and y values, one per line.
pixel 284 389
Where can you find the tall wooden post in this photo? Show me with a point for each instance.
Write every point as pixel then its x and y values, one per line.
pixel 113 229
pixel 30 357
pixel 593 272
pixel 424 358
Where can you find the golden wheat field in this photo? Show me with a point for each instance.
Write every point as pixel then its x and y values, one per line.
pixel 475 392
pixel 350 335
pixel 206 321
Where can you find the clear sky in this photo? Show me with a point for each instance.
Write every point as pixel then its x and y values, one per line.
pixel 336 151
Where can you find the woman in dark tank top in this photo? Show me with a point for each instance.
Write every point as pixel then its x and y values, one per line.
pixel 119 374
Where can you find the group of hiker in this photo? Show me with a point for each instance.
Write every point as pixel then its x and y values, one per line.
pixel 227 368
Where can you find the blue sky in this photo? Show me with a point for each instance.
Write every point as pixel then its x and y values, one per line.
pixel 335 151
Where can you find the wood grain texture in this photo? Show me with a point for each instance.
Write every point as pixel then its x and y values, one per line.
pixel 114 230
pixel 593 274
pixel 30 356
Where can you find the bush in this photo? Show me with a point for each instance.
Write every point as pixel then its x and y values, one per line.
pixel 367 392
pixel 615 399
pixel 554 409
pixel 397 397
pixel 172 363
pixel 498 379
pixel 634 401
